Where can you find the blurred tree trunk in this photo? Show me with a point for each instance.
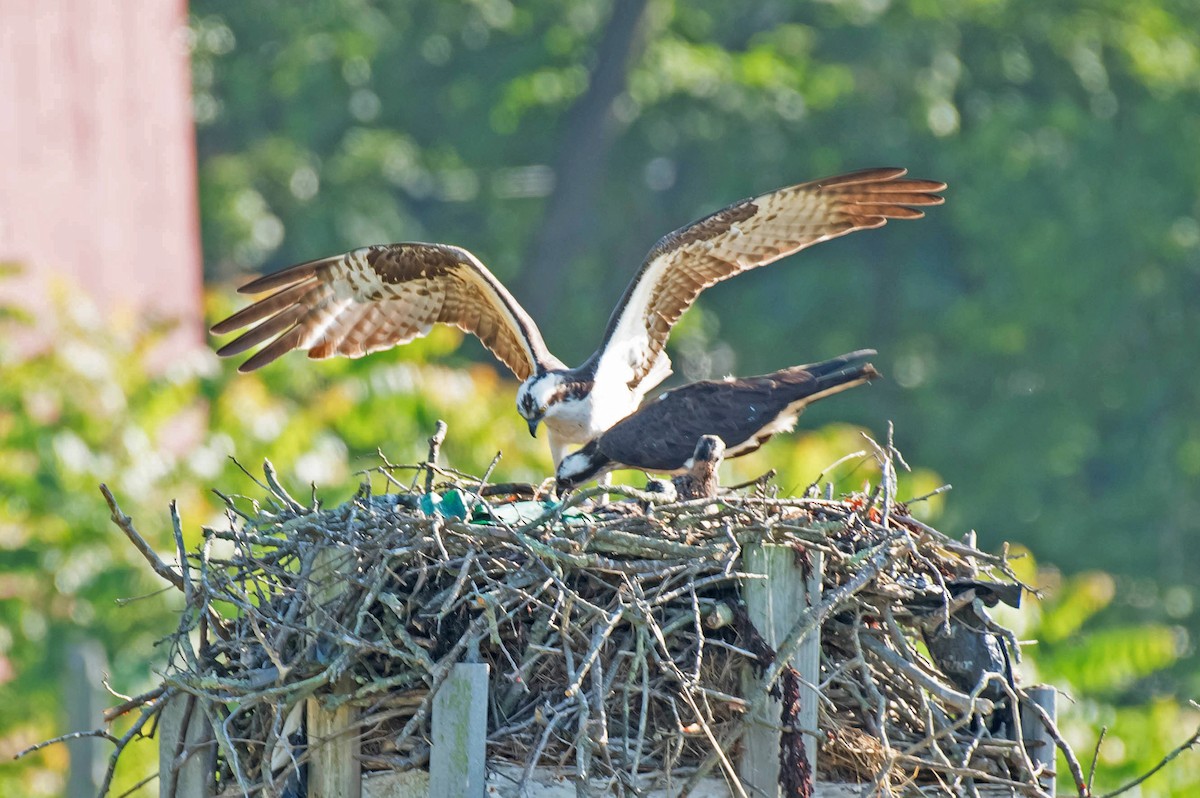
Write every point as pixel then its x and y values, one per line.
pixel 579 163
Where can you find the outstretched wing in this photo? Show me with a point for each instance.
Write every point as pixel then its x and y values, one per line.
pixel 744 236
pixel 378 297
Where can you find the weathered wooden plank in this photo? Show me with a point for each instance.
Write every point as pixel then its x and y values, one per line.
pixel 774 604
pixel 81 693
pixel 1039 744
pixel 458 753
pixel 195 777
pixel 808 662
pixel 334 767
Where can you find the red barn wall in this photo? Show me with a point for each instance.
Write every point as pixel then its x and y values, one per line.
pixel 97 153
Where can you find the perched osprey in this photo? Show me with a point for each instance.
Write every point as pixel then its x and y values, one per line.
pixel 379 296
pixel 743 413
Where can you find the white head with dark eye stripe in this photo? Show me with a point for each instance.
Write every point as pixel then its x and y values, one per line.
pixel 536 395
pixel 561 399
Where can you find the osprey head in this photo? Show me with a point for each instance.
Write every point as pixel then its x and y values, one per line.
pixel 709 449
pixel 578 467
pixel 535 395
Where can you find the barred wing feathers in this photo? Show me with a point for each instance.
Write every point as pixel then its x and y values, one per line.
pixel 751 233
pixel 378 297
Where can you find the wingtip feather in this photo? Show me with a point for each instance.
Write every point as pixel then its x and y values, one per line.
pixel 878 174
pixel 283 278
pixel 918 184
pixel 889 179
pixel 900 198
pixel 897 211
pixel 275 325
pixel 285 302
pixel 274 350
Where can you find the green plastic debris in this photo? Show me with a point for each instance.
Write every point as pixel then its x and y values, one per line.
pixel 428 504
pixel 451 504
pixel 454 505
pixel 512 513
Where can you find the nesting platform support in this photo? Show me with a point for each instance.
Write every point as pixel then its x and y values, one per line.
pixel 187 754
pixel 84 700
pixel 1039 742
pixel 789 585
pixel 458 753
pixel 334 769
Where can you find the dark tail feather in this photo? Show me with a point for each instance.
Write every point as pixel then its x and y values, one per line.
pixel 837 374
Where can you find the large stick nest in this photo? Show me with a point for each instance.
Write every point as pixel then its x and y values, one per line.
pixel 616 637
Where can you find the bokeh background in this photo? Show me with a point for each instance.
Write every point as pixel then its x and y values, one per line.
pixel 1038 332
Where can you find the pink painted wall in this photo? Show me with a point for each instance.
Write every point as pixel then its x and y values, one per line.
pixel 97 152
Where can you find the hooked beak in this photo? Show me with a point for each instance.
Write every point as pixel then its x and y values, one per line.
pixel 533 425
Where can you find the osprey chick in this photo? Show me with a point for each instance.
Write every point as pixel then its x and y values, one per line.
pixel 377 297
pixel 700 481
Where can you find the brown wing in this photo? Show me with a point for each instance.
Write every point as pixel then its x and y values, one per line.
pixel 744 236
pixel 378 297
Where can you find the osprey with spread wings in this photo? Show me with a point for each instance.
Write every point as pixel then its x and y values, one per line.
pixel 378 297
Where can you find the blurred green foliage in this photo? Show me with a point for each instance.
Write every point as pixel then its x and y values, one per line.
pixel 1106 669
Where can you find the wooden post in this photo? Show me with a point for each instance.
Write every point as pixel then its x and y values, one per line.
pixel 774 604
pixel 1038 742
pixel 196 777
pixel 458 754
pixel 84 672
pixel 334 767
